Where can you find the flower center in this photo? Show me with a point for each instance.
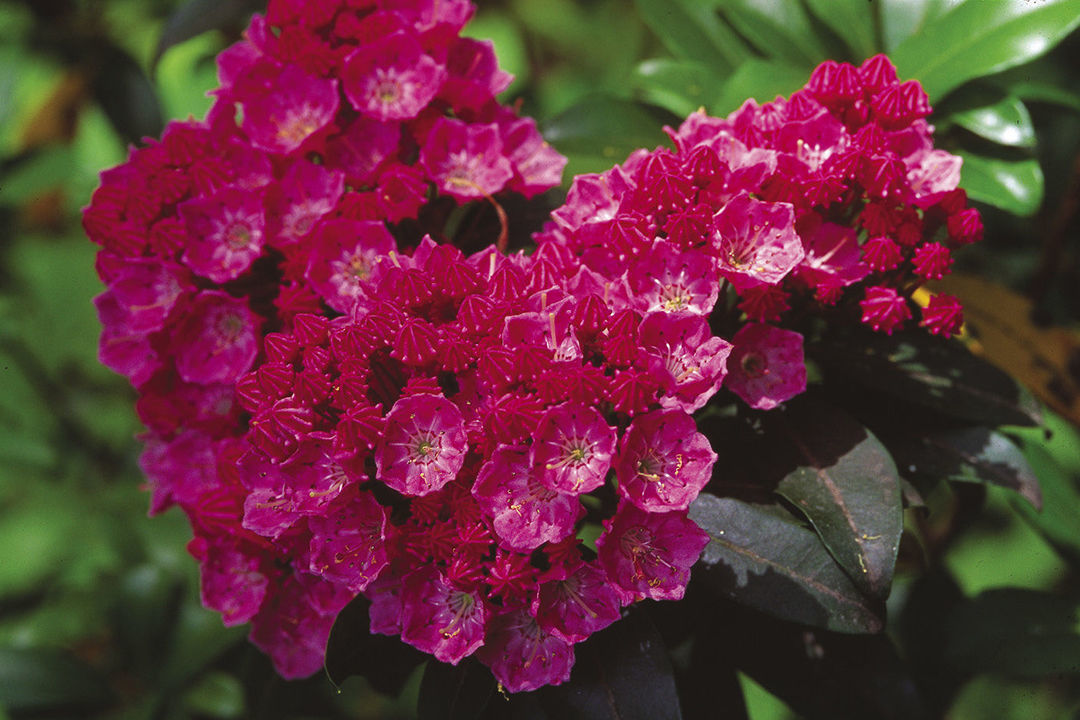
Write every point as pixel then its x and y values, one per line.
pixel 754 364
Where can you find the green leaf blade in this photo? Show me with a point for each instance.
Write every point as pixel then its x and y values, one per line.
pixel 773 564
pixel 1016 186
pixel 1005 122
pixel 691 30
pixel 852 20
pixel 849 490
pixel 975 39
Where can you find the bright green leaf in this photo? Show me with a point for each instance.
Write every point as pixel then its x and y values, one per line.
pixel 852 21
pixel 1015 186
pixel 847 487
pixel 681 86
pixel 900 19
pixel 758 558
pixel 1043 92
pixel 780 29
pixel 1006 122
pixel 1059 520
pixel 605 127
pixel 761 80
pixel 979 38
pixel 691 30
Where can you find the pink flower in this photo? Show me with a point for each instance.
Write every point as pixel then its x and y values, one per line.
pixel 665 279
pixel 884 309
pixel 392 79
pixel 362 148
pixel 766 367
pixel 305 194
pixel 756 241
pixel 423 446
pixel 525 513
pixel 832 257
pixel 649 555
pixel 931 261
pixel 663 461
pixel 224 231
pixel 577 602
pixel 685 357
pixel 217 340
pixel 441 619
pixel 537 166
pixel 293 107
pixel 522 655
pixel 232 582
pixel 344 256
pixel 572 448
pixel 466 161
pixel 881 253
pixel 348 545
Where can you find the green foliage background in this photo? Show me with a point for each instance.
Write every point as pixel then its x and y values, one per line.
pixel 99 610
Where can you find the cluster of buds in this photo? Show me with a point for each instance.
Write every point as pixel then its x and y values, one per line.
pixel 497 450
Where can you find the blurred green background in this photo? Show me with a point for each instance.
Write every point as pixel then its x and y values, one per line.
pixel 99 610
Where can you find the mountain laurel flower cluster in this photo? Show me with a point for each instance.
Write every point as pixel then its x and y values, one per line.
pixel 345 406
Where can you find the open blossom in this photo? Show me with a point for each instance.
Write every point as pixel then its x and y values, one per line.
pixel 767 366
pixel 392 79
pixel 573 448
pixel 423 445
pixel 663 461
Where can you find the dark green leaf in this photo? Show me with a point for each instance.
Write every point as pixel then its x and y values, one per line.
pixel 928 371
pixel 760 559
pixel 921 631
pixel 606 127
pixel 691 30
pixel 216 695
pixel 848 488
pixel 198 639
pixel 621 673
pixel 127 96
pixel 454 692
pixel 384 661
pixel 976 39
pixel 1012 185
pixel 779 29
pixel 852 20
pixel 1038 92
pixel 1006 122
pixel 970 454
pixel 35 680
pixel 1026 633
pixel 198 16
pixel 681 86
pixel 762 80
pixel 146 616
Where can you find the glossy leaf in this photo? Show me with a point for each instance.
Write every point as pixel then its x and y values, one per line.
pixel 384 661
pixel 621 673
pixel 681 86
pixel 971 454
pixel 780 29
pixel 921 369
pixel 1012 185
pixel 1026 633
pixel 449 692
pixel 198 16
pixel 976 39
pixel 35 681
pixel 852 21
pixel 760 559
pixel 691 30
pixel 761 80
pixel 848 488
pixel 900 19
pixel 1006 122
pixel 606 128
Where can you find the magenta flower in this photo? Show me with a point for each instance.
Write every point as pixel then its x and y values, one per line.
pixel 523 656
pixel 572 449
pixel 663 461
pixel 756 241
pixel 423 446
pixel 466 161
pixel 348 545
pixel 943 315
pixel 649 555
pixel 441 619
pixel 392 78
pixel 304 195
pixel 344 256
pixel 298 106
pixel 525 513
pixel 231 582
pixel 217 340
pixel 225 233
pixel 767 366
pixel 685 357
pixel 577 602
pixel 832 258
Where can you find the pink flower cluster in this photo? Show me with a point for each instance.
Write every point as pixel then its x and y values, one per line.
pixel 833 201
